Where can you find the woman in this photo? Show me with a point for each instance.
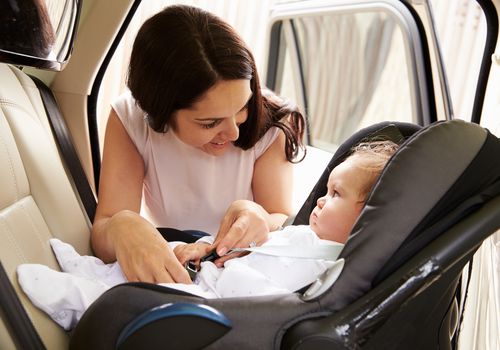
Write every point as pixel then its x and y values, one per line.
pixel 193 137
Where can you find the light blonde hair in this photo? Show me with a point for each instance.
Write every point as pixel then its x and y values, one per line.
pixel 372 156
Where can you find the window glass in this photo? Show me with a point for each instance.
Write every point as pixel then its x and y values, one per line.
pixel 354 69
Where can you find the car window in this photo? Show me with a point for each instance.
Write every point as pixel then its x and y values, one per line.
pixel 349 66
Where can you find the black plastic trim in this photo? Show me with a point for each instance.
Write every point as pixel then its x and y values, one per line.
pixel 302 81
pixel 274 56
pixel 431 94
pixel 94 95
pixel 491 16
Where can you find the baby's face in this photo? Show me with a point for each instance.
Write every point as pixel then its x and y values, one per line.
pixel 336 212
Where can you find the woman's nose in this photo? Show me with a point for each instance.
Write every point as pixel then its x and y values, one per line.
pixel 231 130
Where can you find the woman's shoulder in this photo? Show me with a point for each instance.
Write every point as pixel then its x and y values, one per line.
pixel 130 114
pixel 133 118
pixel 266 141
pixel 127 108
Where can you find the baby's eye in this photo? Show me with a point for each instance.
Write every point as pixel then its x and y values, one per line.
pixel 335 194
pixel 212 124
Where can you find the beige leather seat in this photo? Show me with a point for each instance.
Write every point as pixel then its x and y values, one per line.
pixel 37 197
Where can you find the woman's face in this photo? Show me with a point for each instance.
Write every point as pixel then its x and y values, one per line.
pixel 212 123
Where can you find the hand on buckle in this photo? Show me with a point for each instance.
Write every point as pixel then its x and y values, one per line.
pixel 193 269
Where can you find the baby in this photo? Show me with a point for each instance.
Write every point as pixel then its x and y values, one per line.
pixel 66 295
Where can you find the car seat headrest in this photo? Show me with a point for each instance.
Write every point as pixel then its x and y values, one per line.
pixel 393 131
pixel 416 197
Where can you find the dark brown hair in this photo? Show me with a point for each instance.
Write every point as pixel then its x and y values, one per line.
pixel 183 51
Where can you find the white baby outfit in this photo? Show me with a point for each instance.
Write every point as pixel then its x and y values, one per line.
pixel 66 295
pixel 184 187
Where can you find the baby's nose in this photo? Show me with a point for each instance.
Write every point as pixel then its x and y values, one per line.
pixel 320 202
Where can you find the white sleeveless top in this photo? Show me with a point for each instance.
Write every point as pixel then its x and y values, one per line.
pixel 184 187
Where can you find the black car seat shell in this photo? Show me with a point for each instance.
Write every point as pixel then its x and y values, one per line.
pixel 413 306
pixel 416 191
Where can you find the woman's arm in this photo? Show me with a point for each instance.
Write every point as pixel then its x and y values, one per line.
pixel 119 232
pixel 272 183
pixel 122 168
pixel 246 221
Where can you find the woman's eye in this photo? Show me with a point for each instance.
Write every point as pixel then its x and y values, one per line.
pixel 211 125
pixel 245 108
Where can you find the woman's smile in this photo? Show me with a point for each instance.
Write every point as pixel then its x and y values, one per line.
pixel 219 145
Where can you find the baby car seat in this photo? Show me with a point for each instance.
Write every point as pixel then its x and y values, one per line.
pixel 435 202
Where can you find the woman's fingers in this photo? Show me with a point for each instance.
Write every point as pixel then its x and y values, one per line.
pixel 220 262
pixel 192 252
pixel 248 228
pixel 158 264
pixel 225 226
pixel 233 236
pixel 176 272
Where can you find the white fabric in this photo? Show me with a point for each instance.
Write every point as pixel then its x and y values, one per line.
pixel 182 180
pixel 327 251
pixel 66 295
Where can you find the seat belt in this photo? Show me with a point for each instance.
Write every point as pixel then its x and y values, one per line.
pixel 16 319
pixel 329 251
pixel 326 252
pixel 65 143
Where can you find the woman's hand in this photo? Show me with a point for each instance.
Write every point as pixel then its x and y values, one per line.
pixel 192 252
pixel 244 224
pixel 142 252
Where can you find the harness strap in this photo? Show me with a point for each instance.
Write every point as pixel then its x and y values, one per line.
pixel 325 252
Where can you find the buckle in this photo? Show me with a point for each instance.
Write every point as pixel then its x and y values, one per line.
pixel 193 269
